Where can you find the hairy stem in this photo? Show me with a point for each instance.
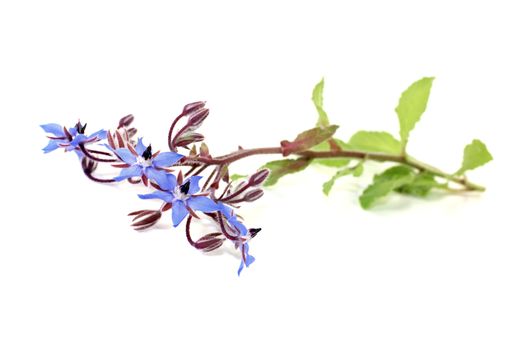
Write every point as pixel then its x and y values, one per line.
pixel 381 157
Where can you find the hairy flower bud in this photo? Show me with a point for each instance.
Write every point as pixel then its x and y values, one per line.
pixel 126 121
pixel 145 219
pixel 191 107
pixel 259 177
pixel 253 195
pixel 210 242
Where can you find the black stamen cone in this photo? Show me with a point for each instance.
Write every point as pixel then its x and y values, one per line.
pixel 254 231
pixel 81 129
pixel 185 188
pixel 147 153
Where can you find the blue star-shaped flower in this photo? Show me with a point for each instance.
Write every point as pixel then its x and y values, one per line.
pixel 141 161
pixel 70 139
pixel 243 236
pixel 183 198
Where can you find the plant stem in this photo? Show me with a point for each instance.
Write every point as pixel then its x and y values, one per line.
pixel 381 157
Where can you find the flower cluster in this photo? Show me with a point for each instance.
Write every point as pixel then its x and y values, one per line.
pixel 174 178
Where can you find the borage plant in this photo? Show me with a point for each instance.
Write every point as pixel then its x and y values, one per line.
pixel 175 178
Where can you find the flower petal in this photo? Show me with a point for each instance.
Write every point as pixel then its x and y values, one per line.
pixel 178 213
pixel 171 182
pixel 225 210
pixel 101 134
pixel 159 176
pixel 140 148
pixel 238 225
pixel 51 146
pixel 201 203
pixel 126 155
pixel 166 159
pixel 126 173
pixel 165 196
pixel 54 129
pixel 194 184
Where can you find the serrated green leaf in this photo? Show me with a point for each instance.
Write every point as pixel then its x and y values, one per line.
pixel 308 139
pixel 280 168
pixel 375 141
pixel 385 183
pixel 356 171
pixel 475 155
pixel 331 162
pixel 412 104
pixel 236 177
pixel 421 186
pixel 317 98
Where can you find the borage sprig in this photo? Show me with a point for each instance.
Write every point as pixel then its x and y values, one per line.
pixel 176 178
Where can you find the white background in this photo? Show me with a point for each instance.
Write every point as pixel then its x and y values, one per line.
pixel 442 273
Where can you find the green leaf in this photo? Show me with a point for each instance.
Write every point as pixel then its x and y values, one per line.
pixel 356 171
pixel 236 177
pixel 280 168
pixel 331 162
pixel 317 98
pixel 421 186
pixel 307 139
pixel 475 155
pixel 385 183
pixel 375 141
pixel 412 104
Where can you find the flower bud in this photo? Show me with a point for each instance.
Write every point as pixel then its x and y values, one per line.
pixel 209 242
pixel 196 119
pixel 253 195
pixel 145 219
pixel 191 107
pixel 259 177
pixel 126 121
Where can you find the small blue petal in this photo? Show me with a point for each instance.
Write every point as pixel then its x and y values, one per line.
pixel 54 129
pixel 165 159
pixel 165 196
pixel 140 148
pixel 178 213
pixel 51 146
pixel 225 210
pixel 73 131
pixel 194 184
pixel 249 258
pixel 238 225
pixel 126 155
pixel 241 266
pixel 171 182
pixel 126 173
pixel 203 204
pixel 78 139
pixel 101 134
pixel 159 176
pixel 79 154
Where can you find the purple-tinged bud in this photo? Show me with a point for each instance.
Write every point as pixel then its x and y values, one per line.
pixel 126 121
pixel 88 165
pixel 191 107
pixel 253 195
pixel 209 242
pixel 145 219
pixel 132 132
pixel 187 139
pixel 259 177
pixel 196 119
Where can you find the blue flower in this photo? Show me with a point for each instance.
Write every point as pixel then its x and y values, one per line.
pixel 243 236
pixel 141 162
pixel 70 139
pixel 183 198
